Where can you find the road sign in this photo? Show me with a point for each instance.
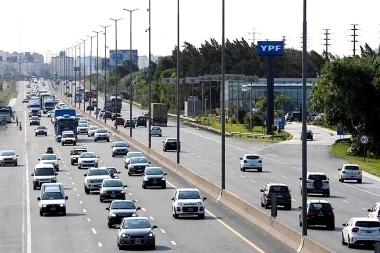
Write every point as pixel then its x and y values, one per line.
pixel 270 48
pixel 281 125
pixel 339 131
pixel 364 139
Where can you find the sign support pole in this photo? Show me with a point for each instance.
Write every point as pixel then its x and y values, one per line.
pixel 270 96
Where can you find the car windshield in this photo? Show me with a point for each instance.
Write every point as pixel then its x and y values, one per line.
pixel 87 155
pixel 82 125
pixel 48 157
pixel 123 205
pixel 367 224
pixel 171 140
pixel 139 160
pixel 120 144
pixel 156 128
pixel 34 118
pixel 136 224
pixel 135 154
pixel 153 171
pixel 278 188
pixel 351 167
pixel 68 136
pixel 102 131
pixel 112 183
pixel 52 195
pixel 189 195
pixel 97 172
pixel 44 172
pixel 252 157
pixel 78 151
pixel 7 153
pixel 93 128
pixel 317 177
pixel 112 170
pixel 41 128
pixel 320 206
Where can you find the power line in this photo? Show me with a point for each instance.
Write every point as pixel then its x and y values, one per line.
pixel 354 35
pixel 253 33
pixel 327 44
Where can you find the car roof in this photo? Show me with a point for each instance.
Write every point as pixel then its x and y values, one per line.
pixel 350 164
pixel 123 200
pixel 316 173
pixel 119 142
pixel 252 154
pixel 79 149
pixel 107 167
pixel 136 218
pixel 48 154
pixel 96 169
pixel 112 179
pixel 364 219
pixel 318 201
pixel 44 166
pixel 188 189
pixel 8 150
pixel 89 152
pixel 52 189
pixel 135 152
pixel 281 184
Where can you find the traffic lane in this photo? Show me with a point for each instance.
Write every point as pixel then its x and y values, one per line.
pixel 68 233
pixel 12 208
pixel 163 211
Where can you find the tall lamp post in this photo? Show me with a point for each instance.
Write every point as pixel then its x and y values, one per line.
pixel 150 79
pixel 130 68
pixel 75 78
pixel 97 72
pixel 116 63
pixel 105 67
pixel 84 72
pixel 177 91
pixel 222 106
pixel 80 71
pixel 90 72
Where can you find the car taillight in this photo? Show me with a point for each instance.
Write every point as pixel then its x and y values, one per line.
pixel 268 195
pixel 288 195
pixel 260 161
pixel 326 182
pixel 245 161
pixel 309 213
pixel 355 229
pixel 360 172
pixel 331 214
pixel 378 214
pixel 343 171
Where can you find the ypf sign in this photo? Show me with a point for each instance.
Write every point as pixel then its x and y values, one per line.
pixel 270 48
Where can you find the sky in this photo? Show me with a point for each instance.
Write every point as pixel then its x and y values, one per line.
pixel 44 25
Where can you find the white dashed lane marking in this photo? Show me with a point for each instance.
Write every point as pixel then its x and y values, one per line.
pixel 80 202
pixel 84 210
pixel 173 242
pixel 151 218
pixel 345 200
pixel 163 231
pixel 94 231
pixel 143 209
pixel 100 245
pixel 88 219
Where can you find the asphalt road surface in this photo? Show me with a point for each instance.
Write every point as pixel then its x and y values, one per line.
pixel 201 152
pixel 85 229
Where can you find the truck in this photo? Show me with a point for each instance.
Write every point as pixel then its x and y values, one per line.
pixel 34 107
pixel 159 115
pixel 78 97
pixel 47 102
pixel 113 104
pixel 10 112
pixel 88 95
pixel 64 120
pixel 5 115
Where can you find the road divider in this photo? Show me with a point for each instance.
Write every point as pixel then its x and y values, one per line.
pixel 280 230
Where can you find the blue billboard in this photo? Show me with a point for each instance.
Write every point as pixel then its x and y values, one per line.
pixel 270 48
pixel 122 55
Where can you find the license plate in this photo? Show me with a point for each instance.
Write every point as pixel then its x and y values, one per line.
pixel 279 196
pixel 190 209
pixel 52 208
pixel 154 182
pixel 113 195
pixel 320 214
pixel 137 242
pixel 369 231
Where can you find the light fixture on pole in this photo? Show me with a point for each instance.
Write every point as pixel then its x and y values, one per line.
pixel 105 70
pixel 79 78
pixel 90 104
pixel 177 90
pixel 84 73
pixel 97 73
pixel 116 108
pixel 150 79
pixel 130 68
pixel 222 106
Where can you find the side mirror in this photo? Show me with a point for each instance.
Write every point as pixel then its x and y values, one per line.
pixel 33 175
pixel 300 207
pixel 118 172
pixel 17 155
pixel 204 198
pixel 118 226
pixel 165 174
pixel 173 199
pixel 107 208
pixel 138 208
pixel 300 178
pixel 154 226
pixel 85 175
pixel 125 186
pixel 38 198
pixel 339 169
pixel 261 190
pixel 241 158
pixel 163 141
pixel 66 197
pixel 344 225
pixel 39 159
pixel 112 146
pixel 369 210
pixel 59 159
pixel 98 157
pixel 56 174
pixel 124 157
pixel 149 162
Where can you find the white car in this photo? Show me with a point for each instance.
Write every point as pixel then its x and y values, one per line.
pixel 50 114
pixel 374 212
pixel 350 172
pixel 52 201
pixel 317 183
pixel 251 161
pixel 188 201
pixel 101 134
pixel 68 137
pixel 88 160
pixel 82 128
pixel 8 157
pixel 50 159
pixel 128 157
pixel 60 105
pixel 43 173
pixel 156 131
pixel 361 230
pixel 91 130
pixel 94 178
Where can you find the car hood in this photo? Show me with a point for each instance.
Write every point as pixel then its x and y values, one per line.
pixel 44 177
pixel 113 189
pixel 120 148
pixel 82 127
pixel 39 130
pixel 117 211
pixel 99 177
pixel 75 156
pixel 190 201
pixel 88 159
pixel 137 231
pixel 48 161
pixel 2 157
pixel 139 164
pixel 154 176
pixel 52 202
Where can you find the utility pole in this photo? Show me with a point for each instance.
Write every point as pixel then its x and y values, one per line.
pixel 284 40
pixel 327 44
pixel 253 33
pixel 354 35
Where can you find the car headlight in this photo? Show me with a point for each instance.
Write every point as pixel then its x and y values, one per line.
pixel 150 234
pixel 112 215
pixel 43 205
pixel 124 235
pixel 122 191
pixel 134 215
pixel 56 162
pixel 88 180
pixel 179 203
pixel 61 205
pixel 163 178
pixel 200 203
pixel 145 179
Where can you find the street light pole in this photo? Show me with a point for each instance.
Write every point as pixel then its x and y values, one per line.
pixel 80 71
pixel 97 72
pixel 84 73
pixel 178 94
pixel 75 78
pixel 130 68
pixel 90 72
pixel 116 63
pixel 105 69
pixel 222 106
pixel 150 79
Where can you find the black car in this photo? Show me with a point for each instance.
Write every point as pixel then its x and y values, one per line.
pixel 107 115
pixel 284 198
pixel 170 144
pixel 129 123
pixel 319 212
pixel 141 121
pixel 309 135
pixel 113 172
pixel 119 209
pixel 154 176
pixel 115 115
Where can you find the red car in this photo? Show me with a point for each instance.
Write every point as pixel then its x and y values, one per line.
pixel 119 121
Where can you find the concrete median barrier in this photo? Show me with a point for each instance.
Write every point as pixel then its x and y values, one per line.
pixel 280 230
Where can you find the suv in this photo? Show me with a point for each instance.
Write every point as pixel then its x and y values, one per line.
pixel 350 172
pixel 101 134
pixel 112 189
pixel 43 173
pixel 119 148
pixel 319 212
pixel 317 182
pixel 188 201
pixel 52 201
pixel 68 137
pixel 284 198
pixel 94 178
pixel 156 130
pixel 170 144
pixel 75 153
pixel 141 121
pixel 309 135
pixel 87 160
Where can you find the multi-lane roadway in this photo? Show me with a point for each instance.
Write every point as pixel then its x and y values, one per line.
pixel 282 163
pixel 85 229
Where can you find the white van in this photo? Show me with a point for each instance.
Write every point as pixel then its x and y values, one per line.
pixel 56 185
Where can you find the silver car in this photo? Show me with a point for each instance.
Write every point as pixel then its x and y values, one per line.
pixel 350 172
pixel 91 130
pixel 8 157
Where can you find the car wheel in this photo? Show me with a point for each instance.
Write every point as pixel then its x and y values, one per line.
pixel 242 169
pixel 64 212
pixel 113 155
pixel 95 140
pixel 331 226
pixel 359 181
pixel 15 164
pixel 41 213
pixel 164 186
pixel 343 242
pixel 45 134
pixel 288 207
pixel 101 200
pixel 299 221
pixel 86 190
pixel 176 216
pixel 36 134
pixel 143 186
pixel 72 162
pixel 259 170
pixel 129 174
pixel 266 206
pixel 348 242
pixel 108 140
pixel 34 187
pixel 74 143
pixel 261 203
pixel 201 216
pixel 328 194
pixel 109 225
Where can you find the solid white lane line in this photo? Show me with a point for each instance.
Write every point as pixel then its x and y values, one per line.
pixel 163 231
pixel 242 176
pixel 88 219
pixel 173 242
pixel 345 200
pixel 28 221
pixel 94 231
pixel 100 245
pixel 143 209
pixel 84 210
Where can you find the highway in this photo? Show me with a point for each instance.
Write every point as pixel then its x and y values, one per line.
pixel 85 229
pixel 282 163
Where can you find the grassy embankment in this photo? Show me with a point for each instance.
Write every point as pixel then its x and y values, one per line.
pixel 9 91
